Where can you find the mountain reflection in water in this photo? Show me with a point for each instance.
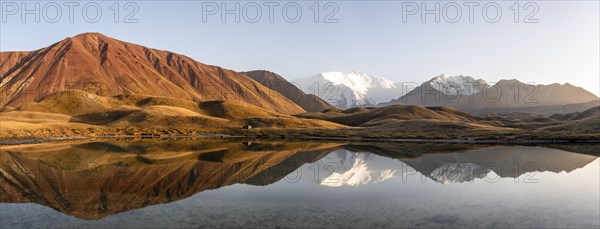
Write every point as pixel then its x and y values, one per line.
pixel 93 180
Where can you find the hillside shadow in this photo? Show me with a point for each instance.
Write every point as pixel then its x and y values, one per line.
pixel 101 118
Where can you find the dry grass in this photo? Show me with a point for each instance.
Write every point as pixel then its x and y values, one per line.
pixel 368 117
pixel 76 113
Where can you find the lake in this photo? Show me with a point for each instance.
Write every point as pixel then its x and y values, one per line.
pixel 149 183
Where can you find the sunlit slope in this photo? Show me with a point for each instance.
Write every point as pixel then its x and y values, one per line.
pixel 106 66
pixel 79 109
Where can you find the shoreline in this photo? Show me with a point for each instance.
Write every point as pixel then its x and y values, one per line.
pixel 23 141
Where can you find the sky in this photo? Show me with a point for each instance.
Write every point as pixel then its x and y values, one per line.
pixel 559 43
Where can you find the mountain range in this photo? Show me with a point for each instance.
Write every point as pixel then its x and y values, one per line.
pixel 474 96
pixel 505 96
pixel 360 168
pixel 105 66
pixel 346 90
pixel 91 84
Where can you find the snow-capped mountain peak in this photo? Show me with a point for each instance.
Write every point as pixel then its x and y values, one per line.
pixel 345 168
pixel 457 173
pixel 453 85
pixel 356 81
pixel 346 90
pixel 358 174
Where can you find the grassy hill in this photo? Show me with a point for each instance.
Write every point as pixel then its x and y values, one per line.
pixel 78 113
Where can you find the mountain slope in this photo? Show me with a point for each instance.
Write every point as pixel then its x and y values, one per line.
pixel 587 122
pixel 345 90
pixel 382 116
pixel 76 108
pixel 503 97
pixel 92 180
pixel 561 109
pixel 454 85
pixel 356 169
pixel 273 81
pixel 105 66
pixel 504 161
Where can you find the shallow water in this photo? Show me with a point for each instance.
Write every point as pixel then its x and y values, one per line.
pixel 195 183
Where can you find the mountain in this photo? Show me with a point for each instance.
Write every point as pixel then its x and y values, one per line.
pixel 105 66
pixel 504 161
pixel 346 168
pixel 408 121
pixel 345 90
pixel 561 109
pixel 476 97
pixel 587 122
pixel 92 180
pixel 455 85
pixel 90 114
pixel 382 116
pixel 273 81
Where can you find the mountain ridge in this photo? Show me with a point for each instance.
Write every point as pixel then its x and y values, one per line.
pixel 308 102
pixel 106 66
pixel 466 93
pixel 505 96
pixel 346 90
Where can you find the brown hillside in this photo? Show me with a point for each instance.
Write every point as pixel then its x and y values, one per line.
pixel 94 184
pixel 105 66
pixel 273 81
pixel 385 115
pixel 586 122
pixel 79 110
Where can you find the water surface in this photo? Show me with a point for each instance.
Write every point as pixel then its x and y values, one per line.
pixel 194 183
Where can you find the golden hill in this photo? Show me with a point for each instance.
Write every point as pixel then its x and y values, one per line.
pixel 72 110
pixel 367 117
pixel 586 122
pixel 78 113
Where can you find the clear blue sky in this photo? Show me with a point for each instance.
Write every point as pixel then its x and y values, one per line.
pixel 369 37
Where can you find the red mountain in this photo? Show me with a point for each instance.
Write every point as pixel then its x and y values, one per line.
pixel 99 64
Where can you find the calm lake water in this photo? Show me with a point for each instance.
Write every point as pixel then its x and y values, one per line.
pixel 202 183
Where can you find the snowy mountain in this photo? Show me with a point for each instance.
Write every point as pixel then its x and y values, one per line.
pixel 457 173
pixel 499 161
pixel 477 97
pixel 457 85
pixel 345 168
pixel 345 90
